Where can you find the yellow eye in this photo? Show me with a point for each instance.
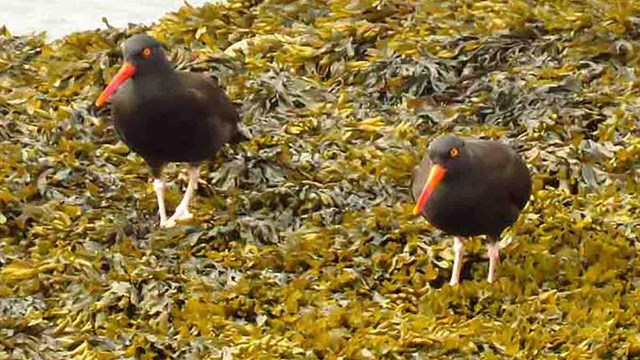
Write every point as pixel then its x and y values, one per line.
pixel 454 152
pixel 146 52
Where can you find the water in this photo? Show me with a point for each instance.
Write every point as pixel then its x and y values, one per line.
pixel 60 17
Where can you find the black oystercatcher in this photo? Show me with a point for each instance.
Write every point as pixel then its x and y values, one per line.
pixel 469 187
pixel 168 116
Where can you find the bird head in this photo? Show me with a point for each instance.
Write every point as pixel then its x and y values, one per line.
pixel 447 154
pixel 142 54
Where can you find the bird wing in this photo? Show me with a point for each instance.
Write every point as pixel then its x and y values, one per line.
pixel 504 168
pixel 207 91
pixel 520 191
pixel 224 116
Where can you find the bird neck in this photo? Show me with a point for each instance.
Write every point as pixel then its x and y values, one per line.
pixel 160 80
pixel 458 172
pixel 155 67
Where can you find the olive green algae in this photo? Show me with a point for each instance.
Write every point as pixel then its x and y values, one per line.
pixel 304 244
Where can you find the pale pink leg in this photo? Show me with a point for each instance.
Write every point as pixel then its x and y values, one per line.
pixel 160 187
pixel 182 211
pixel 493 250
pixel 458 250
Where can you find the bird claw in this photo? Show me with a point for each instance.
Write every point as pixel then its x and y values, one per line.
pixel 185 216
pixel 181 214
pixel 166 224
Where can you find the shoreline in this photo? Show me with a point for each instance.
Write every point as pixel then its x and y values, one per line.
pixel 54 17
pixel 303 242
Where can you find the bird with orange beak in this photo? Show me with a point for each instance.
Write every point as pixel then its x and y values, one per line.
pixel 168 116
pixel 470 187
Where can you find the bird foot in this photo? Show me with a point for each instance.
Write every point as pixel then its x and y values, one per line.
pixel 181 214
pixel 166 224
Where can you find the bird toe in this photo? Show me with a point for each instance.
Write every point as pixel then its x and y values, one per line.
pixel 181 214
pixel 168 223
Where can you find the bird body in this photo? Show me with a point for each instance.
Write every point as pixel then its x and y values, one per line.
pixel 482 198
pixel 479 187
pixel 168 116
pixel 181 117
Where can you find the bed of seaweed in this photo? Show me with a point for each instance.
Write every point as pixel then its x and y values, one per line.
pixel 304 245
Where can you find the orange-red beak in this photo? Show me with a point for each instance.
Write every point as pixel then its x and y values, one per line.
pixel 126 71
pixel 435 176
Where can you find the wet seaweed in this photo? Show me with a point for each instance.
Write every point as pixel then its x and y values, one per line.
pixel 304 244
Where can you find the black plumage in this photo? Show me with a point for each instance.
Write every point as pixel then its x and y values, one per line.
pixel 166 115
pixel 479 187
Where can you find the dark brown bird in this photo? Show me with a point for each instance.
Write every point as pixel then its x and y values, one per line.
pixel 168 116
pixel 469 187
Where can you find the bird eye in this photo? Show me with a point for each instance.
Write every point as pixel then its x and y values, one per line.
pixel 146 52
pixel 454 152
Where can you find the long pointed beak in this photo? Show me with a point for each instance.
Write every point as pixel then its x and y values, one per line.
pixel 126 71
pixel 435 176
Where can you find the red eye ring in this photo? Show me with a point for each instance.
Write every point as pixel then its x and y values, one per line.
pixel 454 152
pixel 146 52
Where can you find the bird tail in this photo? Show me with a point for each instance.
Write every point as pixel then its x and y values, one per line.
pixel 242 134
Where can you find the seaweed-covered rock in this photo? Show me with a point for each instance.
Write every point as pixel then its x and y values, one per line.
pixel 305 246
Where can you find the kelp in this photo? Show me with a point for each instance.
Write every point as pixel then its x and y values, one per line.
pixel 304 245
